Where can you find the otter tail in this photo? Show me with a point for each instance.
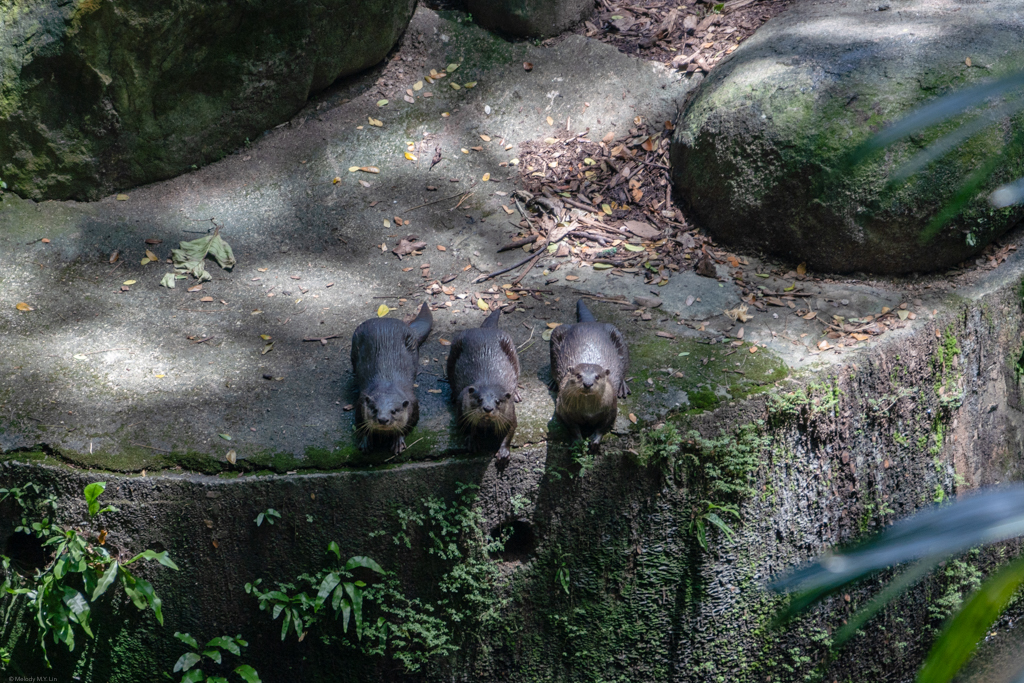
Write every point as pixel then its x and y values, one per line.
pixel 421 325
pixel 583 313
pixel 492 319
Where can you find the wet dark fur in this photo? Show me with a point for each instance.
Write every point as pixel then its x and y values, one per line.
pixel 385 359
pixel 588 363
pixel 483 371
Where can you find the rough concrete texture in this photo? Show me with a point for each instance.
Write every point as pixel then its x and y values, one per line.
pixel 529 18
pixel 760 152
pixel 842 441
pixel 102 96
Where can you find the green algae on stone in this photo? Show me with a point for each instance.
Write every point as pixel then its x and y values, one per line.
pixel 102 96
pixel 761 151
pixel 696 377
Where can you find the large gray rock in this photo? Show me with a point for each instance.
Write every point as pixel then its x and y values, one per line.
pixel 97 96
pixel 530 17
pixel 758 149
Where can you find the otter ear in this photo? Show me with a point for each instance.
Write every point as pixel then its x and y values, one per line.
pixel 472 390
pixel 405 404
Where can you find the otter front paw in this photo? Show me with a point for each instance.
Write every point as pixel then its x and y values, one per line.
pixel 595 443
pixel 364 443
pixel 516 397
pixel 503 455
pixel 623 389
pixel 398 445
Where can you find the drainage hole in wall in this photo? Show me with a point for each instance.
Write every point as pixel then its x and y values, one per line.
pixel 26 552
pixel 520 543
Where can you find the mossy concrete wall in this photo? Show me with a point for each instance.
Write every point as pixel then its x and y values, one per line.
pixel 102 96
pixel 843 451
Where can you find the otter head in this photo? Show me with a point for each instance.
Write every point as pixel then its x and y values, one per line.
pixel 586 378
pixel 485 404
pixel 386 410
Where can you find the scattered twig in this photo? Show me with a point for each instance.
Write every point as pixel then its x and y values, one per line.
pixel 496 273
pixel 518 243
pixel 460 201
pixel 438 201
pixel 540 252
pixel 579 205
pixel 323 340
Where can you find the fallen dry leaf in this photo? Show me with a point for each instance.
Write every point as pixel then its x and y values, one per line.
pixel 739 314
pixel 193 288
pixel 632 418
pixel 24 307
pixel 383 310
pixel 442 248
pixel 528 66
pixel 642 230
pixel 810 316
pixel 482 305
pixel 405 246
pixel 860 337
pixel 801 269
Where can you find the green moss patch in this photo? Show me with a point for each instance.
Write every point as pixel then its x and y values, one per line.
pixel 699 376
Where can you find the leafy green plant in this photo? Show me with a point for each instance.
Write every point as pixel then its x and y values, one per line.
pixel 923 541
pixel 79 571
pixel 562 576
pixel 270 514
pixel 337 591
pixel 384 620
pixel 710 516
pixel 214 650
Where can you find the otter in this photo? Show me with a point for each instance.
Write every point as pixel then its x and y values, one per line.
pixel 483 371
pixel 385 358
pixel 588 364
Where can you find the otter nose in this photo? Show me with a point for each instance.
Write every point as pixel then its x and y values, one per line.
pixel 588 382
pixel 383 419
pixel 488 409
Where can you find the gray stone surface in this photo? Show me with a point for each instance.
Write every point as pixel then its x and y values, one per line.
pixel 96 351
pixel 82 397
pixel 530 18
pixel 758 153
pixel 102 96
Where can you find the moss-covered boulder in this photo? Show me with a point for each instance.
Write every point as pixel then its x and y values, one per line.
pixel 532 18
pixel 759 151
pixel 97 96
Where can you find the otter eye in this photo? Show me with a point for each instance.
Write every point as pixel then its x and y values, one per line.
pixel 472 390
pixel 579 375
pixel 607 372
pixel 508 396
pixel 405 404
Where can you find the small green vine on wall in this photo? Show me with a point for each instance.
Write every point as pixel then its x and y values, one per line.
pixel 719 472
